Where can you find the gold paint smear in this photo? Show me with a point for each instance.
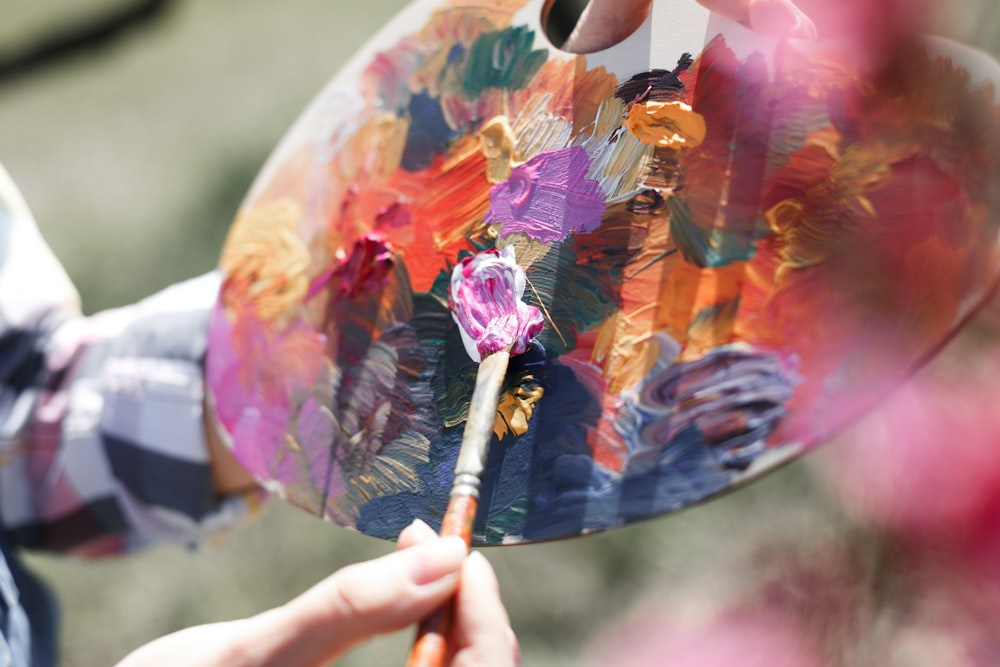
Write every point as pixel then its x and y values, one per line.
pixel 527 250
pixel 538 130
pixel 573 93
pixel 265 262
pixel 666 124
pixel 516 408
pixel 620 164
pixel 625 167
pixel 609 117
pixel 624 357
pixel 386 138
pixel 497 143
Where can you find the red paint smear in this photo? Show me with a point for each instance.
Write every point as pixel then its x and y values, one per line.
pixel 864 317
pixel 725 173
pixel 605 443
pixel 366 268
pixel 447 203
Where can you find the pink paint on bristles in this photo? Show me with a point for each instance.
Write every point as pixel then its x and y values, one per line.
pixel 486 302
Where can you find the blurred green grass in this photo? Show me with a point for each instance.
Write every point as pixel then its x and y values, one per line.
pixel 134 159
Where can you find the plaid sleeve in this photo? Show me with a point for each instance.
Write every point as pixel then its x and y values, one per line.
pixel 102 446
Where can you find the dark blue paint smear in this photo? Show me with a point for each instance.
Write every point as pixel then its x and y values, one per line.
pixel 546 484
pixel 429 133
pixel 387 516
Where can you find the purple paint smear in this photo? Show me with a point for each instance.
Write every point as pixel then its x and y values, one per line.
pixel 548 197
pixel 486 291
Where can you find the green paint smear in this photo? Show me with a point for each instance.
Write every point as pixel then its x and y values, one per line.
pixel 501 59
pixel 577 296
pixel 707 248
pixel 502 521
pixel 441 286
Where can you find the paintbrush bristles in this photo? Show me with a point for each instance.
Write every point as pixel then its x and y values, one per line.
pixel 486 301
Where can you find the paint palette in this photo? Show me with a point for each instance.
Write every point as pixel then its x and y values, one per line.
pixel 738 246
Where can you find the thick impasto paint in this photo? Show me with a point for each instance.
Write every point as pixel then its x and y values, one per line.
pixel 733 253
pixel 486 301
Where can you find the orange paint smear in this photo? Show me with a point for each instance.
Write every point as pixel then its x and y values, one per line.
pixel 447 203
pixel 576 92
pixel 687 291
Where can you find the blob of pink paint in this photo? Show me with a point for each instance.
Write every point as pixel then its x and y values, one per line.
pixel 485 300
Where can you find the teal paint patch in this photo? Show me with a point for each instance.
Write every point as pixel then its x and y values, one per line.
pixel 577 297
pixel 707 248
pixel 501 59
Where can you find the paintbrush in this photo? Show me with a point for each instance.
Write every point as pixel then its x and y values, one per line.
pixel 485 301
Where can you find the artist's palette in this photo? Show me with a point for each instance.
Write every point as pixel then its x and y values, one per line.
pixel 738 246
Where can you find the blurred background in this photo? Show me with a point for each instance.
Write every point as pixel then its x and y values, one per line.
pixel 133 130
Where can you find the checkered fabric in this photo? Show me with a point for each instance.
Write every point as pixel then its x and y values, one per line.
pixel 101 440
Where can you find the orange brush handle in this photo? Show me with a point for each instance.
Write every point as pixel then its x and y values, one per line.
pixel 430 649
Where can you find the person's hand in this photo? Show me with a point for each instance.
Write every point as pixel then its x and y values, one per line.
pixel 604 23
pixel 355 604
pixel 872 25
pixel 228 477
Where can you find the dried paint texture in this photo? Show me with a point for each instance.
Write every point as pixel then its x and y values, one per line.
pixel 548 198
pixel 732 255
pixel 485 298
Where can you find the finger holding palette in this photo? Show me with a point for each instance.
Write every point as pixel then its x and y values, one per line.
pixel 735 245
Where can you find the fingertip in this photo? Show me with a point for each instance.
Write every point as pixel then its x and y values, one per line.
pixel 515 647
pixel 420 527
pixel 481 588
pixel 435 559
pixel 456 543
pixel 416 533
pixel 483 635
pixel 478 567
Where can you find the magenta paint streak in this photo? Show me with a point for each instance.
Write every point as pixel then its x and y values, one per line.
pixel 255 421
pixel 548 197
pixel 485 300
pixel 364 270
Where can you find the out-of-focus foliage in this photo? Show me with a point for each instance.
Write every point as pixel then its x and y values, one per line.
pixel 134 158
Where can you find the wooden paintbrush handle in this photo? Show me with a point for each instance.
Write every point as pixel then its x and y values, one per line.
pixel 431 646
pixel 430 649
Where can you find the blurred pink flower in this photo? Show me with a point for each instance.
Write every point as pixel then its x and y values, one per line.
pixel 926 461
pixel 872 27
pixel 748 637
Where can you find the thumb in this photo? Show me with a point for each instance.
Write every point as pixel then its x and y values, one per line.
pixel 604 23
pixel 363 600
